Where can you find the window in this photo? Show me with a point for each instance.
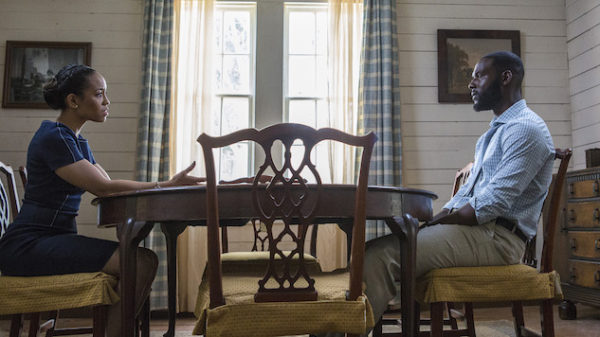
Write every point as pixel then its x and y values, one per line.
pixel 270 60
pixel 303 76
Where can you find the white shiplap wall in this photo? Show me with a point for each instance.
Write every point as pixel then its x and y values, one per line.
pixel 583 41
pixel 440 138
pixel 114 27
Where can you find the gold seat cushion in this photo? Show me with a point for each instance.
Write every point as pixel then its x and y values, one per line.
pixel 242 317
pixel 487 284
pixel 251 261
pixel 46 293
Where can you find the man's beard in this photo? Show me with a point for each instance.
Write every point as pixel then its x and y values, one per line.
pixel 489 98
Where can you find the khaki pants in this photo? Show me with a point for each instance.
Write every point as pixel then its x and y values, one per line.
pixel 438 246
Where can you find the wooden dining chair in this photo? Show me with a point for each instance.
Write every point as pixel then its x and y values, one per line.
pixel 285 298
pixel 35 295
pixel 514 283
pixel 50 327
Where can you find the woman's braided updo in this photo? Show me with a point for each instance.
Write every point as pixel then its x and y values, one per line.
pixel 71 79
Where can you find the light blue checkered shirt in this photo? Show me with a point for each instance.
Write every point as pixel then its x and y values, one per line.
pixel 512 170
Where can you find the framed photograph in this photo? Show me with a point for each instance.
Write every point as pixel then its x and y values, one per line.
pixel 460 50
pixel 28 65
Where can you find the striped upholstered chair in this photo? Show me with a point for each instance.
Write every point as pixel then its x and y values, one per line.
pixel 514 283
pixel 32 295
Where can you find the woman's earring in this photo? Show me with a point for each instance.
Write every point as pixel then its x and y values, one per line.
pixel 75 106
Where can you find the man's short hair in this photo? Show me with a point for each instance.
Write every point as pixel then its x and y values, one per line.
pixel 505 60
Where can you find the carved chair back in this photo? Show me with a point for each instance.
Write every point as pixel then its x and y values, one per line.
pixel 461 177
pixel 288 199
pixel 9 200
pixel 552 203
pixel 261 238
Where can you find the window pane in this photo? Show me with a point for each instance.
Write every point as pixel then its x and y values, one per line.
pixel 321 34
pixel 235 114
pixel 218 32
pixel 321 90
pixel 234 161
pixel 236 35
pixel 236 74
pixel 218 64
pixel 302 76
pixel 302 112
pixel 302 33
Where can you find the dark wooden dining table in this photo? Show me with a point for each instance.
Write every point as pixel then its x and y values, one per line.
pixel 134 214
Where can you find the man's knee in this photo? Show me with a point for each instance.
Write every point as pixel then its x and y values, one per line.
pixel 147 260
pixel 383 249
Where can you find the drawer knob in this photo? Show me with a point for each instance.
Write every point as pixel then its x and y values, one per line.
pixel 572 216
pixel 572 276
pixel 596 187
pixel 597 244
pixel 573 244
pixel 597 276
pixel 597 214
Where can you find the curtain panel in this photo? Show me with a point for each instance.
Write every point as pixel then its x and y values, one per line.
pixel 192 91
pixel 379 98
pixel 153 126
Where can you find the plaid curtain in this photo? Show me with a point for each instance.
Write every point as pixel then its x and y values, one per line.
pixel 379 98
pixel 153 127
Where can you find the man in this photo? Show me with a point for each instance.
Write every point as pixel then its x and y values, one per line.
pixel 492 215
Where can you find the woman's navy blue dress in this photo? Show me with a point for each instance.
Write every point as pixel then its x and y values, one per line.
pixel 43 239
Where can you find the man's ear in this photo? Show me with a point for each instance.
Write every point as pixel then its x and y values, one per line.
pixel 506 77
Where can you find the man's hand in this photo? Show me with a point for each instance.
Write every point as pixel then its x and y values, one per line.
pixel 436 218
pixel 462 216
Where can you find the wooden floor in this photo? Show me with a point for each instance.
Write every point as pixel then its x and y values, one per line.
pixel 586 325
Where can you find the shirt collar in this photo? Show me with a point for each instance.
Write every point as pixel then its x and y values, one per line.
pixel 509 113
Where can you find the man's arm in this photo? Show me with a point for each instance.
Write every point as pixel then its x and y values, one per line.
pixel 462 216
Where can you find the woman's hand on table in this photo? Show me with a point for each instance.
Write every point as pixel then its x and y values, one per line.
pixel 183 178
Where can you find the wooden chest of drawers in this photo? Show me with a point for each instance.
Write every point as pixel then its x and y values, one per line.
pixel 577 251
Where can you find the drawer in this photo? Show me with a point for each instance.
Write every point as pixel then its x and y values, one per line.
pixel 585 244
pixel 583 214
pixel 584 189
pixel 584 274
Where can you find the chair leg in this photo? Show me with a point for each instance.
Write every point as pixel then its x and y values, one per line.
pixel 378 328
pixel 417 318
pixel 99 318
pixel 145 318
pixel 469 319
pixel 519 321
pixel 547 318
pixel 34 324
pixel 16 325
pixel 451 319
pixel 50 325
pixel 437 319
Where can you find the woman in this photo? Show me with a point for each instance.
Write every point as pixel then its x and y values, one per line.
pixel 43 238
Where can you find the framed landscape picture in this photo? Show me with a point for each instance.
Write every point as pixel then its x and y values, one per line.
pixel 460 50
pixel 28 65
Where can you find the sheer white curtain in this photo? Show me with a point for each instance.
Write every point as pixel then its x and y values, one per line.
pixel 345 37
pixel 192 92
